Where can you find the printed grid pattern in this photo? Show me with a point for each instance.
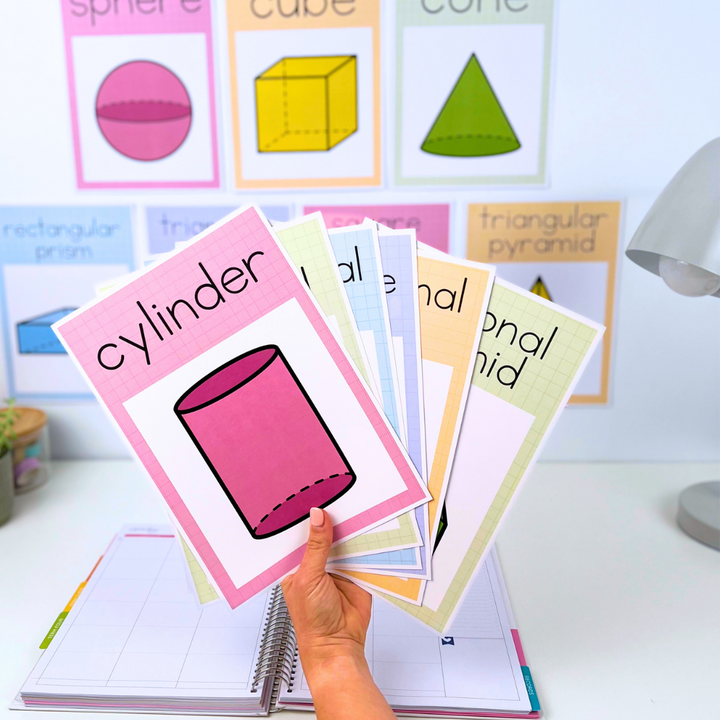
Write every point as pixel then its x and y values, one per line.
pixel 178 277
pixel 367 302
pixel 378 540
pixel 399 259
pixel 308 248
pixel 406 556
pixel 541 390
pixel 449 337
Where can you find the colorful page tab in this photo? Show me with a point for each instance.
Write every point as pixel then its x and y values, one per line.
pixel 564 252
pixel 531 355
pixel 431 223
pixel 171 224
pixel 142 93
pixel 305 93
pixel 220 369
pixel 474 110
pixel 51 258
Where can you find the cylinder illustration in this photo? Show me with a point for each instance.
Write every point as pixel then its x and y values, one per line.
pixel 264 441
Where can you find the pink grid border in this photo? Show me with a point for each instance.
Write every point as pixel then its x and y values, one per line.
pixel 84 332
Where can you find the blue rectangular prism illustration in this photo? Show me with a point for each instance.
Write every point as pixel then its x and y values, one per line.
pixel 36 336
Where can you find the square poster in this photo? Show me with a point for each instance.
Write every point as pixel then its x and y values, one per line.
pixel 305 93
pixel 431 222
pixel 472 91
pixel 142 93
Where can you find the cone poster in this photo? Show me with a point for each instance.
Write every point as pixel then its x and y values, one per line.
pixel 564 252
pixel 472 93
pixel 472 122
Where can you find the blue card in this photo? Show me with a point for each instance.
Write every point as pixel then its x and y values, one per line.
pixel 358 254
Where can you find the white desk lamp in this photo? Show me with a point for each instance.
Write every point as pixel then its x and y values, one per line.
pixel 679 240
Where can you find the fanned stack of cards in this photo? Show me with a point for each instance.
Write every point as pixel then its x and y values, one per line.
pixel 257 372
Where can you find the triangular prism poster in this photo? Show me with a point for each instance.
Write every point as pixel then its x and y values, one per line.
pixel 472 123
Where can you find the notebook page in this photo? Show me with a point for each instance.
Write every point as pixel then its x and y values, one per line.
pixel 137 630
pixel 474 667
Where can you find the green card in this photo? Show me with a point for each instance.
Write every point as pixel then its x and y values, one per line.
pixel 532 352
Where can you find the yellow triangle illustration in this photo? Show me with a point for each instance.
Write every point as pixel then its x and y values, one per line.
pixel 539 289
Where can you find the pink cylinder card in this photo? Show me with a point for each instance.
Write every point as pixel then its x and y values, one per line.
pixel 264 441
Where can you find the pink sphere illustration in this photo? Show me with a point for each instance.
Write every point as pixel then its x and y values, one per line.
pixel 143 110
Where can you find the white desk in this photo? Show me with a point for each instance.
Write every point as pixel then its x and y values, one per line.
pixel 618 610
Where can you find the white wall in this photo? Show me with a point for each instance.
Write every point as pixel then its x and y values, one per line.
pixel 636 93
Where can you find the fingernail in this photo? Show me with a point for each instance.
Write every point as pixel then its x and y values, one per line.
pixel 317 517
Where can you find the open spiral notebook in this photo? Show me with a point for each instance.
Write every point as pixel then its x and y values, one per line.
pixel 136 639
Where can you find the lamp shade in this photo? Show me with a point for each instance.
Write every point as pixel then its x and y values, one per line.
pixel 684 222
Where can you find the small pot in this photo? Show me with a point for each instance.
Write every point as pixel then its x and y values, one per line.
pixel 7 486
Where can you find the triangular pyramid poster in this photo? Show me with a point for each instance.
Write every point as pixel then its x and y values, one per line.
pixel 472 122
pixel 539 289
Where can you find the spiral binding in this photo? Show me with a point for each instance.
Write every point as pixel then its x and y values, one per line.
pixel 278 648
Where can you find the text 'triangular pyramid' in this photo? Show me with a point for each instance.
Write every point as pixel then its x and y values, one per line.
pixel 472 122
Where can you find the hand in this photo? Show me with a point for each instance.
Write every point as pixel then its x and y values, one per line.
pixel 331 617
pixel 330 614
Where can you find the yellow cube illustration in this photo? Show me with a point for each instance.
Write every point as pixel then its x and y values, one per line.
pixel 306 104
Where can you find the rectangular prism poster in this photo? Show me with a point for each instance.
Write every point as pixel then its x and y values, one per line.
pixel 564 252
pixel 234 392
pixel 142 93
pixel 472 91
pixel 51 258
pixel 305 93
pixel 431 223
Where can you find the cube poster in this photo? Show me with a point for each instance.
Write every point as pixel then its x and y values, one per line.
pixel 305 94
pixel 472 92
pixel 51 258
pixel 142 93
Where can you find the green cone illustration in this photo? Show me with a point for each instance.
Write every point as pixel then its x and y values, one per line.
pixel 472 122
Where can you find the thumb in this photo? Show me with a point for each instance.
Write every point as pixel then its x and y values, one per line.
pixel 318 545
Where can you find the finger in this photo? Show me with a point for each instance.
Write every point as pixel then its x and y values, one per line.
pixel 313 563
pixel 286 582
